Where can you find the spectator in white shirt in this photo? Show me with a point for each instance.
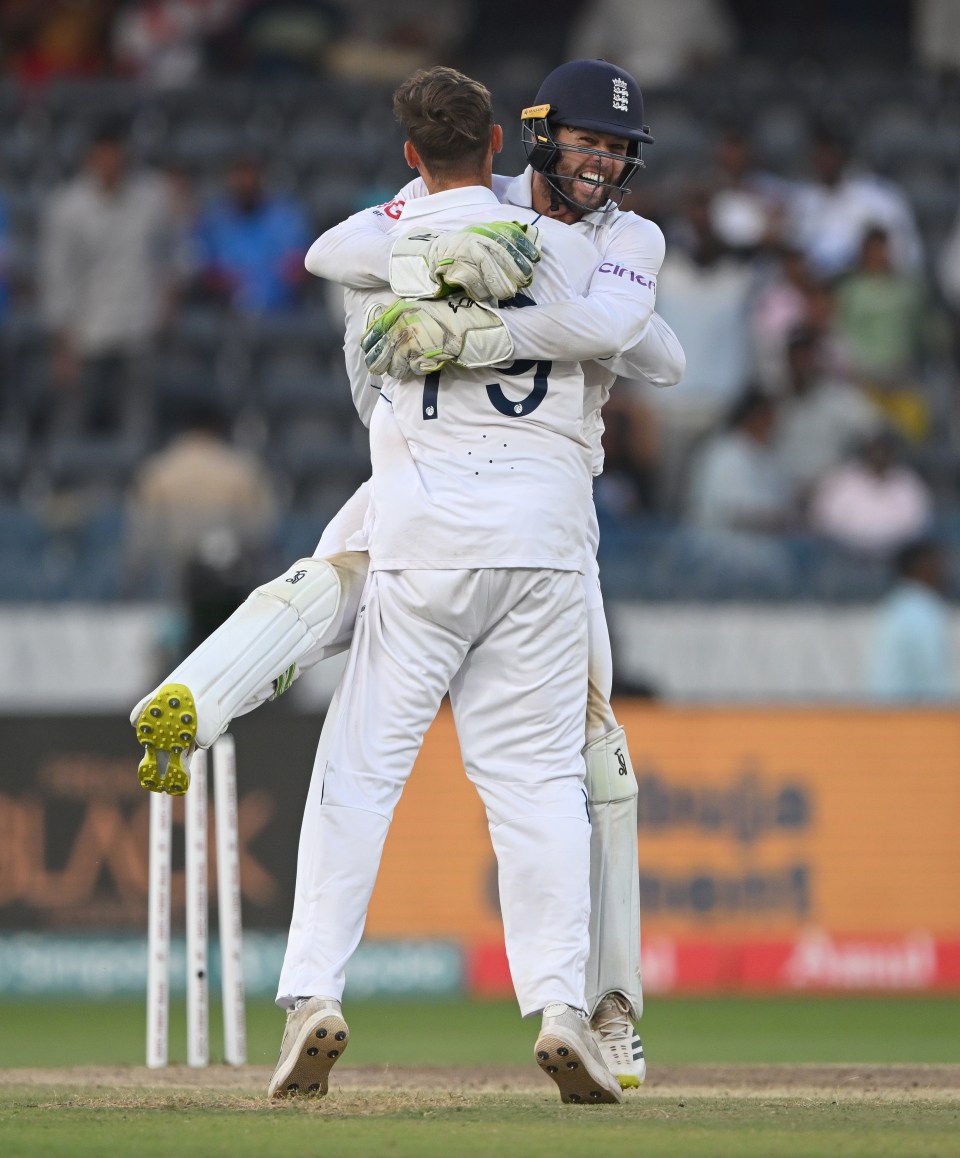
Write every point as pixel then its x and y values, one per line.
pixel 703 294
pixel 661 41
pixel 737 482
pixel 108 254
pixel 829 216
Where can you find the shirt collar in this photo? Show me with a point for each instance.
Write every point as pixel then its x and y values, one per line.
pixel 467 197
pixel 520 189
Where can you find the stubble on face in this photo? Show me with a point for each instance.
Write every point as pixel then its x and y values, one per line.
pixel 587 174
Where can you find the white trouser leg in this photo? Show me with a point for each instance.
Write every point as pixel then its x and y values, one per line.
pixel 401 662
pixel 399 669
pixel 307 867
pixel 519 703
pixel 614 960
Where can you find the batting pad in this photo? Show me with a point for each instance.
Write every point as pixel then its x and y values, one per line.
pixel 613 963
pixel 310 608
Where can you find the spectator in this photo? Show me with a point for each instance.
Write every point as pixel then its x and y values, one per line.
pixel 737 482
pixel 748 206
pixel 216 579
pixel 161 42
pixel 936 35
pixel 909 659
pixel 879 320
pixel 821 418
pixel 780 307
pixel 197 491
pixel 703 294
pixel 280 39
pixel 829 216
pixel 386 41
pixel 659 41
pixel 739 498
pixel 821 318
pixel 249 244
pixel 107 280
pixel 873 504
pixel 56 38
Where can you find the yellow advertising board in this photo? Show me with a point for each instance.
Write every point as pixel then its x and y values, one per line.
pixel 753 824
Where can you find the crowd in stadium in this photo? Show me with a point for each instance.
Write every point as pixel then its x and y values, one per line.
pixel 164 165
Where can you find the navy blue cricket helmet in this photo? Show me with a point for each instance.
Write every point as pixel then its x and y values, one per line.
pixel 585 94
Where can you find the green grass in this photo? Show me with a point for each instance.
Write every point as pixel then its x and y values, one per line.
pixel 36 1123
pixel 802 1029
pixel 73 1121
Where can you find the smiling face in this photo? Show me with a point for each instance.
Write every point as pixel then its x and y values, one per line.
pixel 586 174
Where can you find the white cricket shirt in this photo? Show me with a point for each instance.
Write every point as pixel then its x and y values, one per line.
pixel 485 468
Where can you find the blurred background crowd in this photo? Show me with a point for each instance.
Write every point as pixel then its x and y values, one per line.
pixel 175 415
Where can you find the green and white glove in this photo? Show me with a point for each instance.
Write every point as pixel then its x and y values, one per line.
pixel 414 338
pixel 489 261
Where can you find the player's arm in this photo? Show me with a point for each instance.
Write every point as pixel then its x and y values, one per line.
pixel 364 386
pixel 417 338
pixel 614 314
pixel 355 253
pixel 490 261
pixel 658 357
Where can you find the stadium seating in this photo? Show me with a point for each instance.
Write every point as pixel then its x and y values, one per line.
pixel 282 377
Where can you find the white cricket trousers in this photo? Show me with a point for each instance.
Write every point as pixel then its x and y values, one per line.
pixel 511 648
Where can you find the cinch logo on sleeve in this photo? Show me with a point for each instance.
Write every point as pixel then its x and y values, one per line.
pixel 620 271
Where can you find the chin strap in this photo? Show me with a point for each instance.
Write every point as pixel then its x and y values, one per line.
pixel 558 198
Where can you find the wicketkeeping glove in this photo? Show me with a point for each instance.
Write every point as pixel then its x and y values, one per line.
pixel 490 261
pixel 414 338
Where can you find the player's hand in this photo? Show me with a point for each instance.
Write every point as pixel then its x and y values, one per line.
pixel 490 262
pixel 414 338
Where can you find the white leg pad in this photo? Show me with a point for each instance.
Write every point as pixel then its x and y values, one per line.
pixel 614 960
pixel 304 614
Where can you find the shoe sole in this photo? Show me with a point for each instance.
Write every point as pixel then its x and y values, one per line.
pixel 319 1046
pixel 564 1063
pixel 167 724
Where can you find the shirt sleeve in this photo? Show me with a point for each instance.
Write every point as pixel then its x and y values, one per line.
pixel 356 252
pixel 613 315
pixel 658 357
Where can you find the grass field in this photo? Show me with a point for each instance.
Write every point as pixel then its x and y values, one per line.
pixel 740 1077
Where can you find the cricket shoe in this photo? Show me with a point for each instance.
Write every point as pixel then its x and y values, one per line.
pixel 567 1052
pixel 167 729
pixel 619 1042
pixel 314 1038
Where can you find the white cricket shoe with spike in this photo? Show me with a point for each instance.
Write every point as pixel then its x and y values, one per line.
pixel 314 1038
pixel 619 1041
pixel 567 1052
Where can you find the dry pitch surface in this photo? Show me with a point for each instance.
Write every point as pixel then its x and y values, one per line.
pixel 800 1081
pixel 699 1111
